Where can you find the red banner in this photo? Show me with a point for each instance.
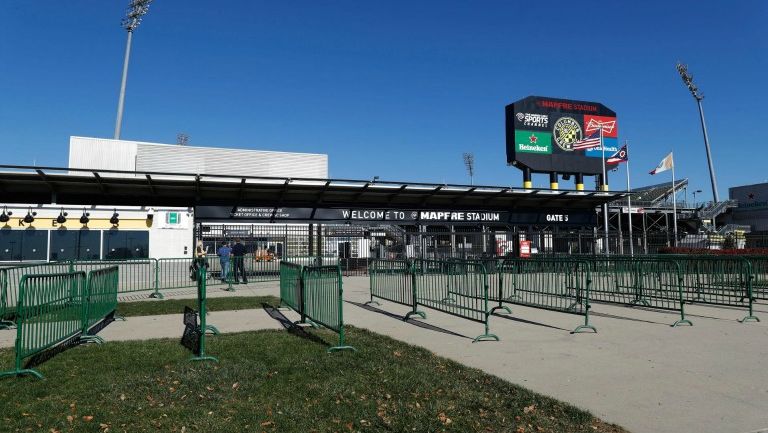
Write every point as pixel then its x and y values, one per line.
pixel 594 123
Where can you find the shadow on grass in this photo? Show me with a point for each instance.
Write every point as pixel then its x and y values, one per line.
pixel 291 327
pixel 409 321
pixel 72 342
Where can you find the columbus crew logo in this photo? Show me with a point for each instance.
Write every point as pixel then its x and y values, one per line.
pixel 566 132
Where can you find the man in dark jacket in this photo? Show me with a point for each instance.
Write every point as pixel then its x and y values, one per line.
pixel 238 254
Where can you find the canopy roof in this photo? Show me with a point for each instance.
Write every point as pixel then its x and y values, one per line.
pixel 27 184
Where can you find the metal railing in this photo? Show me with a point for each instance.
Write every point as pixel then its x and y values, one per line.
pixel 316 293
pixel 57 308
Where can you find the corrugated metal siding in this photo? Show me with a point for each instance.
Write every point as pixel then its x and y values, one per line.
pixel 233 162
pixel 103 154
pixel 106 154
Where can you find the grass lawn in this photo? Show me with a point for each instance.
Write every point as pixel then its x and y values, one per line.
pixel 176 306
pixel 273 381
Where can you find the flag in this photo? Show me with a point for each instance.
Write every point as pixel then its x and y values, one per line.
pixel 618 157
pixel 588 143
pixel 665 164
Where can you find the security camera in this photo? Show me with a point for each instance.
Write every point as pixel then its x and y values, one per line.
pixel 150 214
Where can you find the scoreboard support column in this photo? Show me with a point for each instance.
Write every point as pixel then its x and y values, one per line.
pixel 579 182
pixel 553 180
pixel 527 183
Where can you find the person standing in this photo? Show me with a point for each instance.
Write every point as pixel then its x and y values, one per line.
pixel 199 261
pixel 224 252
pixel 238 254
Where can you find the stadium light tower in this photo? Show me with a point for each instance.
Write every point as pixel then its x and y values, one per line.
pixel 136 10
pixel 688 80
pixel 469 163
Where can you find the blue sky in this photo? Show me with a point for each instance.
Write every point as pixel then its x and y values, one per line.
pixel 396 89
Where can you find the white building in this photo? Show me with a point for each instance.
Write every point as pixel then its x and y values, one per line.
pixel 105 154
pixel 90 232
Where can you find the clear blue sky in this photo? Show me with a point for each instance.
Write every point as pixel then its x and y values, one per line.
pixel 397 89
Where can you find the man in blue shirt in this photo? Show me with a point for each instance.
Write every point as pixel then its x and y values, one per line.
pixel 224 252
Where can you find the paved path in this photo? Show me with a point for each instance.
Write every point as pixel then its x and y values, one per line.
pixel 637 371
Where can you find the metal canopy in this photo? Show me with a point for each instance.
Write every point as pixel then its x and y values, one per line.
pixel 26 184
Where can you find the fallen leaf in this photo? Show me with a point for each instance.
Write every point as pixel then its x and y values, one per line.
pixel 70 418
pixel 267 423
pixel 397 354
pixel 122 397
pixel 236 385
pixel 87 418
pixel 529 409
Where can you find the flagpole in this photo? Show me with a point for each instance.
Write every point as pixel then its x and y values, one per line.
pixel 674 201
pixel 629 203
pixel 605 188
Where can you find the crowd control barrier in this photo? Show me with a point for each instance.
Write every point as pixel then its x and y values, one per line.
pixel 759 265
pixel 394 281
pixel 647 281
pixel 316 293
pixel 60 308
pixel 195 333
pixel 718 281
pixel 456 287
pixel 556 284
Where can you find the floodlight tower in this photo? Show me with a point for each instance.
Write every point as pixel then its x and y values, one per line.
pixel 688 80
pixel 469 163
pixel 136 10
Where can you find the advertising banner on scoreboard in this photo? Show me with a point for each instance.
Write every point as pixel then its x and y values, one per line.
pixel 559 135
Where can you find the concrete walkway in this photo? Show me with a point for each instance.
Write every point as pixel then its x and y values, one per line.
pixel 637 371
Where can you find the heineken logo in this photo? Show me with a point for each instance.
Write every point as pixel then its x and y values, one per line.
pixel 534 148
pixel 566 132
pixel 533 119
pixel 533 142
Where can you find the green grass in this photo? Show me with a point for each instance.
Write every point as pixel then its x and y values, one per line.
pixel 176 306
pixel 273 381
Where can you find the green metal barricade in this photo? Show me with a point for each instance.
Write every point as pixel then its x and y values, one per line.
pixel 759 265
pixel 648 281
pixel 100 299
pixel 718 281
pixel 5 315
pixel 556 284
pixel 11 284
pixel 49 312
pixel 316 293
pixel 394 281
pixel 290 285
pixel 458 288
pixel 135 275
pixel 323 300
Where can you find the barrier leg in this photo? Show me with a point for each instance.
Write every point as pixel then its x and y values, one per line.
pixel 486 336
pixel 156 294
pixel 21 372
pixel 7 324
pixel 750 317
pixel 683 320
pixel 341 346
pixel 91 339
pixel 415 312
pixel 501 307
pixel 586 326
